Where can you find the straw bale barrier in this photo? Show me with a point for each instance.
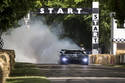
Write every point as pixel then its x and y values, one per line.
pixel 102 59
pixel 2 72
pixel 7 61
pixel 11 54
pixel 120 59
pixel 4 56
pixel 118 52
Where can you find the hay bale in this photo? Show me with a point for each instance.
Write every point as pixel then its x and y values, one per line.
pixel 7 60
pixel 11 54
pixel 4 56
pixel 2 72
pixel 119 52
pixel 101 59
pixel 120 59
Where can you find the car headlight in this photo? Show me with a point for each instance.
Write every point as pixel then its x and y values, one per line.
pixel 85 60
pixel 64 59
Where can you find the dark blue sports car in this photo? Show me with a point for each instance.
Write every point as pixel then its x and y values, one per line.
pixel 73 56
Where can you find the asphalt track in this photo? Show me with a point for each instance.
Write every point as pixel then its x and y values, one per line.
pixel 75 73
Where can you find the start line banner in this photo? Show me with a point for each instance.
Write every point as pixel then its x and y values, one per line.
pixel 65 10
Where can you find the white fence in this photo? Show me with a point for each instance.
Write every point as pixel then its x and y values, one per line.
pixel 117 36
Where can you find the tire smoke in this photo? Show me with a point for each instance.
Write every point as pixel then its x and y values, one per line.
pixel 37 44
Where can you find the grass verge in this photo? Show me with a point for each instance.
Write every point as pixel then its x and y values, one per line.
pixel 117 66
pixel 27 80
pixel 25 69
pixel 26 73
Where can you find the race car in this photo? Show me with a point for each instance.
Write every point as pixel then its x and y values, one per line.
pixel 73 57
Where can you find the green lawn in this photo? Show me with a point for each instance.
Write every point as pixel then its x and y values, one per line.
pixel 26 73
pixel 28 80
pixel 25 69
pixel 121 66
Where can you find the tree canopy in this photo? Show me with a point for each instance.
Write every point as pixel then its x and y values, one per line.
pixel 117 6
pixel 13 10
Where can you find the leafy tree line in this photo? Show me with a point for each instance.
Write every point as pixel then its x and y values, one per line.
pixel 13 10
pixel 117 6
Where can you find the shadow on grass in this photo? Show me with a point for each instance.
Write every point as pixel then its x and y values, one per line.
pixel 25 69
pixel 28 80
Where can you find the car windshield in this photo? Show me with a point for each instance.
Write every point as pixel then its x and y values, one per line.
pixel 73 52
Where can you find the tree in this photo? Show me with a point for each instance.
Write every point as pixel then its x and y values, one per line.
pixel 13 10
pixel 104 32
pixel 117 6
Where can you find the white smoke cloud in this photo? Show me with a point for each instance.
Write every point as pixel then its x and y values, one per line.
pixel 37 44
